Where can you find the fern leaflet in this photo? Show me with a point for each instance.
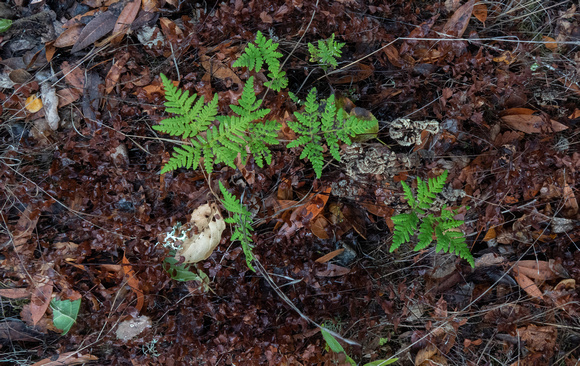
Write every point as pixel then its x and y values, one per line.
pixel 241 219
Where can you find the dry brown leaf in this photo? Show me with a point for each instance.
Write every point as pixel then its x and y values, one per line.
pixel 531 124
pixel 125 19
pixel 67 96
pixel 570 202
pixel 149 6
pixel 318 227
pixel 393 55
pixel 332 270
pixel 15 293
pixel 528 285
pixel 40 300
pixel 95 30
pixel 550 43
pixel 20 76
pixel 539 270
pixel 69 358
pixel 513 111
pixel 539 339
pixel 217 69
pixel 74 75
pixel 115 72
pixel 329 256
pixel 16 330
pixel 458 22
pixel 133 283
pixel 355 74
pixel 480 12
pixel 69 37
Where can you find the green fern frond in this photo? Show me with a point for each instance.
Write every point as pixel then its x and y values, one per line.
pixel 264 51
pixel 316 126
pixel 448 239
pixel 241 219
pixel 183 157
pixel 326 52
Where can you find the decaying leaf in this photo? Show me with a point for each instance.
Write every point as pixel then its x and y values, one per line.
pixel 95 30
pixel 529 123
pixel 40 301
pixel 69 358
pixel 458 22
pixel 133 282
pixel 50 104
pixel 204 232
pixel 539 270
pixel 480 12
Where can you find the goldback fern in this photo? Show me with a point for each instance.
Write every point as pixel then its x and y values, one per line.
pixel 222 143
pixel 242 220
pixel 326 52
pixel 448 239
pixel 321 123
pixel 264 51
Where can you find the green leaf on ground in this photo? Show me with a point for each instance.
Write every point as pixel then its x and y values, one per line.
pixel 64 313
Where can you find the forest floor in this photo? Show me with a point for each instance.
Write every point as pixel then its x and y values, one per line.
pixel 83 207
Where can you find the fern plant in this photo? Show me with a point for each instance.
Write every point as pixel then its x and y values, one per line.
pixel 442 226
pixel 222 143
pixel 241 219
pixel 326 52
pixel 321 123
pixel 260 52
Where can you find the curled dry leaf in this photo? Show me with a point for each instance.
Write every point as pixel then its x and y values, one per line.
pixel 115 72
pixel 539 270
pixel 528 285
pixel 50 104
pixel 133 282
pixel 204 234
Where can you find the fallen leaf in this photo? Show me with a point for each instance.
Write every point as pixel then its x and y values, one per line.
pixel 318 227
pixel 393 55
pixel 95 30
pixel 69 37
pixel 539 338
pixel 67 96
pixel 480 12
pixel 531 123
pixel 40 300
pixel 458 22
pixel 50 104
pixel 115 72
pixel 355 74
pixel 528 285
pixel 133 283
pixel 20 76
pixel 15 293
pixel 129 329
pixel 550 43
pixel 69 358
pixel 73 74
pixel 217 69
pixel 332 270
pixel 149 6
pixel 329 256
pixel 125 19
pixel 33 104
pixel 539 270
pixel 15 330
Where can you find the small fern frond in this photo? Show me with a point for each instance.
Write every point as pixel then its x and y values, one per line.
pixel 424 195
pixel 261 135
pixel 264 51
pixel 405 226
pixel 326 52
pixel 453 242
pixel 241 219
